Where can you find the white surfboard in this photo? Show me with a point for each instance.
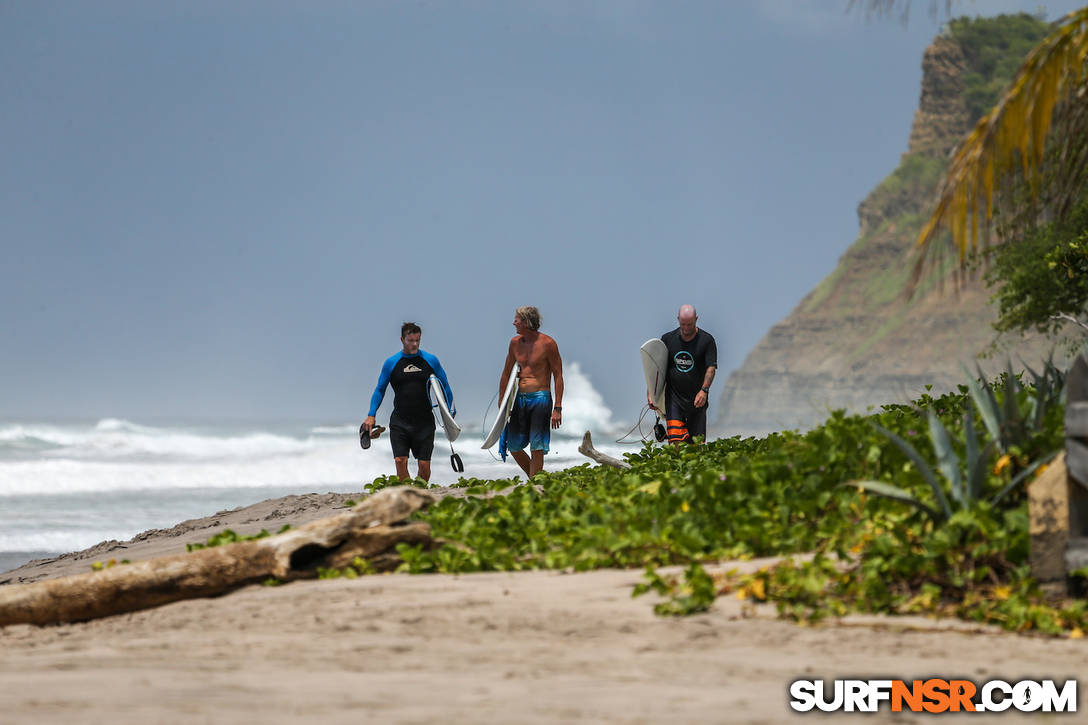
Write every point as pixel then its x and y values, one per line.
pixel 439 396
pixel 655 365
pixel 505 406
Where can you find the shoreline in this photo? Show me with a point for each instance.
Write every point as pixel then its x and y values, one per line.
pixel 11 560
pixel 270 514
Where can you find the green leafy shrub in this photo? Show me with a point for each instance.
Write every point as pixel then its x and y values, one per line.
pixel 1043 274
pixel 695 594
pixel 392 480
pixel 229 536
pixel 972 567
pixel 994 49
pixel 781 494
pixel 102 565
pixel 358 567
pixel 733 497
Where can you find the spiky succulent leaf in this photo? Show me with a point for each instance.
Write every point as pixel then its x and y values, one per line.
pixel 922 465
pixel 976 473
pixel 1010 423
pixel 887 490
pixel 1034 375
pixel 1040 401
pixel 971 441
pixel 947 460
pixel 984 401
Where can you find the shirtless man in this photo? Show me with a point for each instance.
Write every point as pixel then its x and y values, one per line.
pixel 533 414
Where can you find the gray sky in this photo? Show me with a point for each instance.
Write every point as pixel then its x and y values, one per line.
pixel 226 209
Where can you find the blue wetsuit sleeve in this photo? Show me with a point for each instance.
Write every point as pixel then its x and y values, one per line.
pixel 440 373
pixel 383 381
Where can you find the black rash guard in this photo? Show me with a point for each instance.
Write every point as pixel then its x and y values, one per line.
pixel 687 364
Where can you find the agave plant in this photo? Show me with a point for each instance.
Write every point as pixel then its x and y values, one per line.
pixel 963 485
pixel 1049 390
pixel 1007 425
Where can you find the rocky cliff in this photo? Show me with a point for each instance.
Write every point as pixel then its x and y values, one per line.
pixel 855 341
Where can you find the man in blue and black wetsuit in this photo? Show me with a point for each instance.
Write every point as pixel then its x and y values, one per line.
pixel 411 424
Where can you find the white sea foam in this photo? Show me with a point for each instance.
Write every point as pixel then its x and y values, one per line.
pixel 583 406
pixel 70 505
pixel 57 541
pixel 113 440
pixel 334 430
pixel 68 486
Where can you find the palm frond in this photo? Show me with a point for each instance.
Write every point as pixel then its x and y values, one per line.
pixel 882 8
pixel 1015 134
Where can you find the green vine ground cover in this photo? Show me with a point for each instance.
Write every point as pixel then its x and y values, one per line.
pixel 782 494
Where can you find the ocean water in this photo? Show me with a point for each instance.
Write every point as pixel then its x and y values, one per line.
pixel 67 486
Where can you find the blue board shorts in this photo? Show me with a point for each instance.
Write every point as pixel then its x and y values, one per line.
pixel 530 423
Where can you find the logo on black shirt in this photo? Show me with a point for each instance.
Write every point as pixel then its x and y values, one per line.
pixel 410 368
pixel 684 361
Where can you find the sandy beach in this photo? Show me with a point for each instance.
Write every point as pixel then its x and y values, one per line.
pixel 533 647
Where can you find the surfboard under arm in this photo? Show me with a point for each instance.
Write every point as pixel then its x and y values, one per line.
pixel 505 406
pixel 449 425
pixel 655 361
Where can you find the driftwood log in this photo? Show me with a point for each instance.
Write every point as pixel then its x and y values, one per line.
pixel 370 530
pixel 587 450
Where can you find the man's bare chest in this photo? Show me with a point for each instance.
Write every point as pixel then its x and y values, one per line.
pixel 530 355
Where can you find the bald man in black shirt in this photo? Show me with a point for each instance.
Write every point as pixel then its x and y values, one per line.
pixel 693 360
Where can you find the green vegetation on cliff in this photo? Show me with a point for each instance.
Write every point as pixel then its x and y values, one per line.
pixel 897 202
pixel 994 49
pixel 913 180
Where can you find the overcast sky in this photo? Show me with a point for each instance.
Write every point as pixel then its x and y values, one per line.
pixel 226 209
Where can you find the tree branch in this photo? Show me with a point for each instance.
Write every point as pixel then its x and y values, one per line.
pixel 1070 318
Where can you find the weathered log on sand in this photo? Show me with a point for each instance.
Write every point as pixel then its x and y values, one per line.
pixel 587 450
pixel 371 530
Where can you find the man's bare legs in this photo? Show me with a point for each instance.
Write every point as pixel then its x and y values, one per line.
pixel 402 468
pixel 531 466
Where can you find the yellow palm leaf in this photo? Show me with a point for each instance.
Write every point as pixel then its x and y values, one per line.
pixel 1016 129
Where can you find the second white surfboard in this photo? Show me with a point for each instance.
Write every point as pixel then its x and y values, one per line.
pixel 505 406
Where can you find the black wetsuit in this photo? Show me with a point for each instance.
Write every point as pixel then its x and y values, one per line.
pixel 411 424
pixel 687 365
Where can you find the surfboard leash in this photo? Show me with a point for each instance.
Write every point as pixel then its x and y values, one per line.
pixel 638 426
